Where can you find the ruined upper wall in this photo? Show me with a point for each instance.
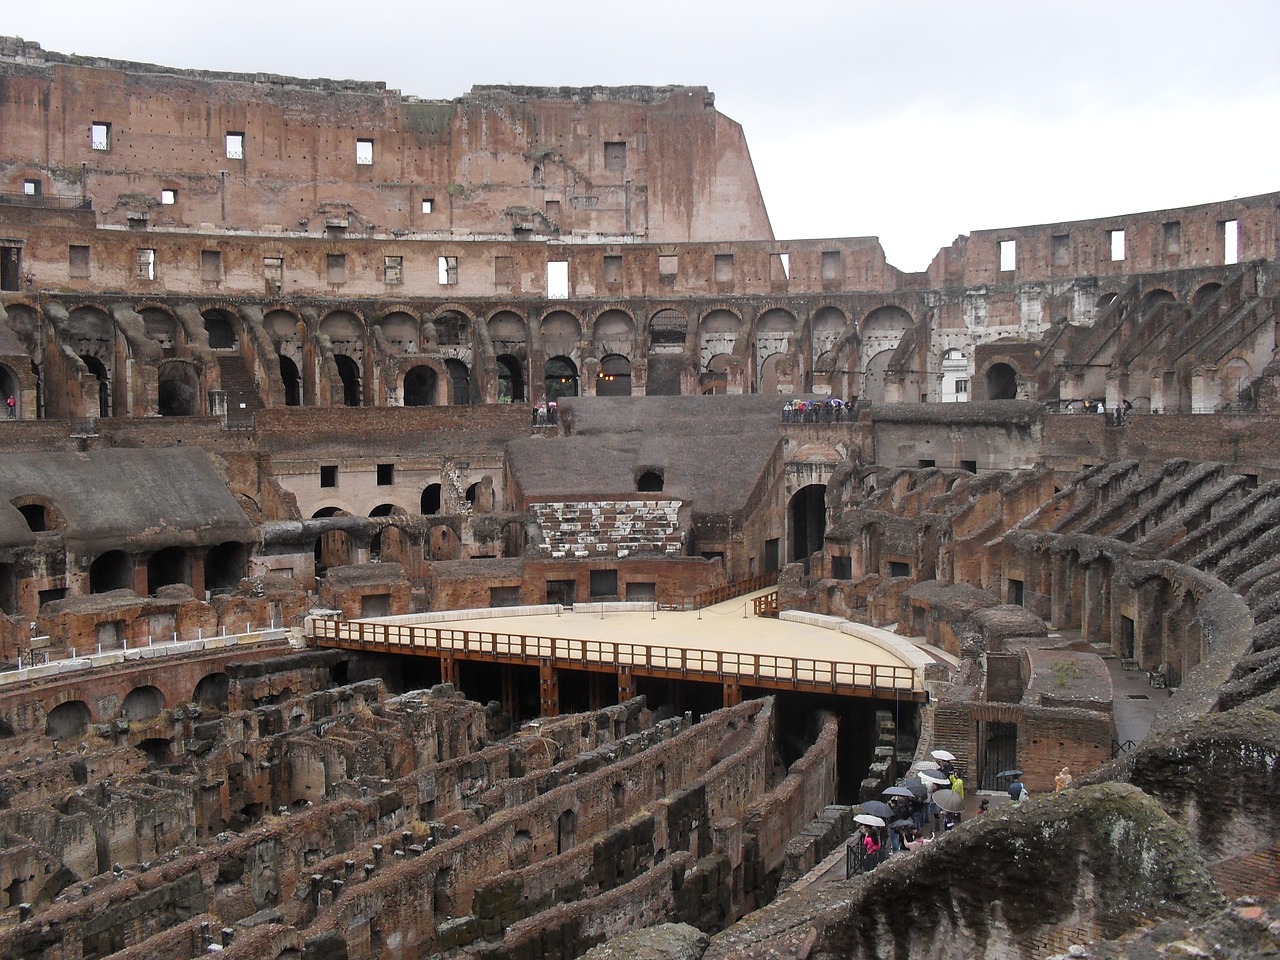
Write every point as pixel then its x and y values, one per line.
pixel 657 163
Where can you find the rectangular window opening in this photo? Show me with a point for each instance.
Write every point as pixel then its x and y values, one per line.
pixel 31 188
pixel 146 264
pixel 830 264
pixel 427 204
pixel 78 262
pixel 329 476
pixel 211 265
pixel 557 279
pixel 337 268
pixel 168 197
pixel 386 474
pixel 235 145
pixel 504 271
pixel 273 269
pixel 504 596
pixel 784 261
pixel 393 269
pixel 1173 237
pixel 924 464
pixel 1115 241
pixel 899 569
pixel 1008 255
pixel 1061 245
pixel 1231 242
pixel 970 465
pixel 100 136
pixel 604 583
pixel 364 152
pixel 615 156
pixel 724 267
pixel 668 265
pixel 553 211
pixel 612 269
pixel 448 271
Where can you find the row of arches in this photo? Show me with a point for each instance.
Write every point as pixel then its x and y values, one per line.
pixel 72 718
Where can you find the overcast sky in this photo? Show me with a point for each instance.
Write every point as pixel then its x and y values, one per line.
pixel 911 121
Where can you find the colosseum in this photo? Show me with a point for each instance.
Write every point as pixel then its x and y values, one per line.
pixel 461 529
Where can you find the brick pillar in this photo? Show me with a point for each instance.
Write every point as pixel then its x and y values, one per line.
pixel 549 684
pixel 626 685
pixel 448 669
pixel 510 698
pixel 732 693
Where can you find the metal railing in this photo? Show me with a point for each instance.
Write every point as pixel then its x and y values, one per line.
pixel 773 670
pixel 50 203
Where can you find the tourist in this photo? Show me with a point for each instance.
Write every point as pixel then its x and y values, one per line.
pixel 787 409
pixel 983 806
pixel 1017 792
pixel 13 407
pixel 552 413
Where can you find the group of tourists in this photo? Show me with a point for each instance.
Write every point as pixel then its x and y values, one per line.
pixel 545 414
pixel 1115 417
pixel 831 410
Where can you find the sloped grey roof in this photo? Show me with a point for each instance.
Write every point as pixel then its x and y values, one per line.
pixel 14 531
pixel 141 499
pixel 710 450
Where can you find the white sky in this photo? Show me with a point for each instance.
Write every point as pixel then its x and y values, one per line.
pixel 910 120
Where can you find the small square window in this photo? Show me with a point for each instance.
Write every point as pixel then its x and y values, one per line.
pixel 211 266
pixel 615 156
pixel 273 269
pixel 427 204
pixel 612 269
pixel 668 265
pixel 100 136
pixel 364 152
pixel 604 583
pixel 146 264
pixel 78 262
pixel 724 267
pixel 393 269
pixel 448 271
pixel 336 264
pixel 329 476
pixel 168 197
pixel 962 386
pixel 31 188
pixel 386 474
pixel 235 146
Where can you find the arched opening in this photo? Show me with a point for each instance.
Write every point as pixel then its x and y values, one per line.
pixel 332 549
pixel 442 544
pixel 769 375
pixel 41 516
pixel 167 566
pixel 66 720
pixel 142 703
pixel 1204 295
pixel 211 692
pixel 614 379
pixel 159 751
pixel 99 371
pixel 561 379
pixel 1154 298
pixel 399 331
pixel 178 390
pixel 472 492
pixel 349 371
pixel 716 379
pixel 460 379
pixel 808 521
pixel 1002 382
pixel 510 379
pixel 650 481
pixel 292 381
pixel 875 377
pixel 955 377
pixel 566 829
pixel 113 570
pixel 225 566
pixel 160 327
pixel 383 510
pixel 872 534
pixel 561 333
pixel 431 499
pixel 221 330
pixel 420 387
pixel 9 388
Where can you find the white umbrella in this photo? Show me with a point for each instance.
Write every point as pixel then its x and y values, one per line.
pixel 935 777
pixel 868 820
pixel 943 755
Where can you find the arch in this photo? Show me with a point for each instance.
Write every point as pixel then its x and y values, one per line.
pixel 430 504
pixel 9 388
pixel 329 512
pixel 168 566
pixel 716 378
pixel 452 329
pixel 384 510
pixel 829 324
pixel 421 387
pixel 398 331
pixel 1105 300
pixel 211 692
pixel 178 390
pixel 566 831
pixel 768 380
pixel 442 544
pixel 1154 298
pixel 67 720
pixel 560 378
pixel 142 703
pixel 283 326
pixel 614 332
pixel 333 548
pixel 473 491
pixel 808 516
pixel 225 566
pixel 561 332
pixel 349 372
pixel 221 329
pixel 112 570
pixel 1002 382
pixel 98 369
pixel 650 481
pixel 668 330
pixel 874 377
pixel 1204 294
pixel 460 380
pixel 1237 380
pixel 510 379
pixel 506 331
pixel 342 327
pixel 292 380
pixel 160 326
pixel 614 378
pixel 40 513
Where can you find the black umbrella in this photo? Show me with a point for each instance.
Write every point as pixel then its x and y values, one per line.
pixel 878 808
pixel 949 801
pixel 1009 773
pixel 897 792
pixel 917 787
pixel 902 824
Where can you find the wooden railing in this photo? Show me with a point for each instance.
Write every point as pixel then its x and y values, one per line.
pixel 762 669
pixel 766 605
pixel 716 595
